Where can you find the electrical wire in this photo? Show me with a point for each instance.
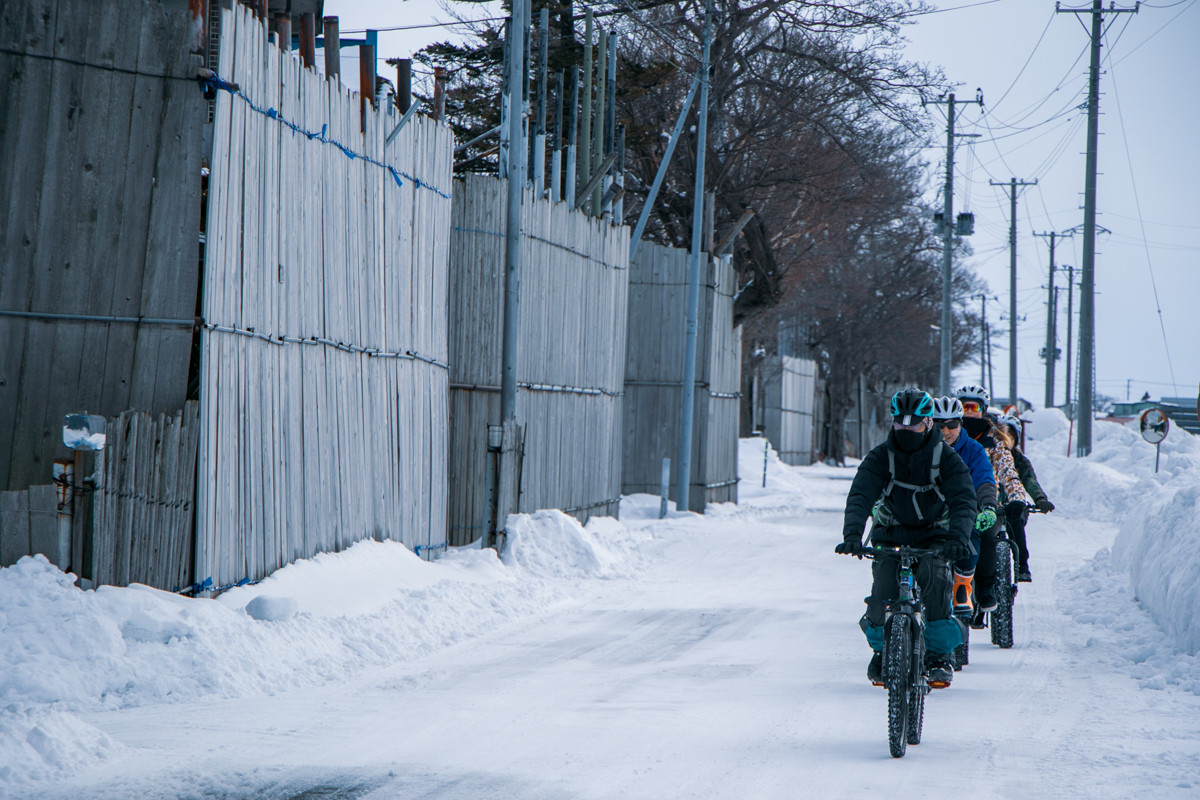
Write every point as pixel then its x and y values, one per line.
pixel 1024 66
pixel 1161 28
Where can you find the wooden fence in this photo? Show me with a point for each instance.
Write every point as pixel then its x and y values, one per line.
pixel 570 364
pixel 654 374
pixel 789 397
pixel 100 177
pixel 143 505
pixel 324 376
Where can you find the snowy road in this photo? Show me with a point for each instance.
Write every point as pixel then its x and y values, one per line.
pixel 728 665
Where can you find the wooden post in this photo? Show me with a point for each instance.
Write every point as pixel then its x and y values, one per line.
pixel 403 82
pixel 283 26
pixel 366 75
pixel 308 41
pixel 260 9
pixel 439 93
pixel 710 213
pixel 333 46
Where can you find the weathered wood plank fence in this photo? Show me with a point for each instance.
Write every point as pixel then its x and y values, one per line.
pixel 570 364
pixel 654 374
pixel 789 396
pixel 324 376
pixel 100 157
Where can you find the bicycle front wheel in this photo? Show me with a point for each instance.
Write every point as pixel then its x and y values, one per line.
pixel 897 669
pixel 1001 622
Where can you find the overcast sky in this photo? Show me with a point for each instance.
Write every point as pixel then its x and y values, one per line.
pixel 1031 65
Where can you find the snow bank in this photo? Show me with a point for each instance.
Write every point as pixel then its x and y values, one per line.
pixel 1158 543
pixel 65 651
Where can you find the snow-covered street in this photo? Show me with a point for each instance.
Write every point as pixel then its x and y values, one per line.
pixel 713 656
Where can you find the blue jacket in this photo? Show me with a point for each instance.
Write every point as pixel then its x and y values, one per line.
pixel 976 459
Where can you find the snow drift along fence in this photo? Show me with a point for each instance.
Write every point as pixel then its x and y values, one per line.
pixel 571 349
pixel 654 375
pixel 324 377
pixel 100 156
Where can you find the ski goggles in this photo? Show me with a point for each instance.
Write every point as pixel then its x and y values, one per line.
pixel 971 405
pixel 947 423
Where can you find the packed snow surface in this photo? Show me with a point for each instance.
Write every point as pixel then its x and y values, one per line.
pixel 695 656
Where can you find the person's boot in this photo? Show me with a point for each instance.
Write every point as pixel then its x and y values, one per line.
pixel 939 670
pixel 1023 575
pixel 963 604
pixel 875 669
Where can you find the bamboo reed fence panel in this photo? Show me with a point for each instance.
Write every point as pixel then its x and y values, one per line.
pixel 570 363
pixel 324 377
pixel 101 125
pixel 654 374
pixel 142 509
pixel 789 394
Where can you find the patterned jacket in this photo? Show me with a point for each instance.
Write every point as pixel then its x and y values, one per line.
pixel 1007 478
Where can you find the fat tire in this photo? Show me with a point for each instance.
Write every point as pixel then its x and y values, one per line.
pixel 1001 622
pixel 897 677
pixel 962 655
pixel 916 692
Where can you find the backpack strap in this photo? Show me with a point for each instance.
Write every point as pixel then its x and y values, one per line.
pixel 935 478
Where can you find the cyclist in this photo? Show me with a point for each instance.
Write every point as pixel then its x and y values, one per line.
pixel 980 427
pixel 947 417
pixel 926 496
pixel 1017 514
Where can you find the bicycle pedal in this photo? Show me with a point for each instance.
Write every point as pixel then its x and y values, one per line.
pixel 938 684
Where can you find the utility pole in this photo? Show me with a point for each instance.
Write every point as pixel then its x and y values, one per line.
pixel 983 344
pixel 1087 277
pixel 1051 351
pixel 948 231
pixel 688 393
pixel 1012 283
pixel 517 78
pixel 1070 326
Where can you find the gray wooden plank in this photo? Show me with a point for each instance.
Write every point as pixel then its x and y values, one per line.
pixel 14 526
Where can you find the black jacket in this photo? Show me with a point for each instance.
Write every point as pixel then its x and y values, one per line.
pixel 1027 475
pixel 914 468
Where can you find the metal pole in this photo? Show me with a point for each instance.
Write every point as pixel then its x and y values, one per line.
pixel 516 185
pixel 539 131
pixel 568 192
pixel 644 216
pixel 618 217
pixel 584 171
pixel 505 100
pixel 683 476
pixel 947 248
pixel 556 141
pixel 598 150
pixel 665 486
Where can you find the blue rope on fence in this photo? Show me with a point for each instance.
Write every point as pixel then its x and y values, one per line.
pixel 421 547
pixel 214 81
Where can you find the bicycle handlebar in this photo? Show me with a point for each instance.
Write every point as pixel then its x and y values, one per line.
pixel 895 551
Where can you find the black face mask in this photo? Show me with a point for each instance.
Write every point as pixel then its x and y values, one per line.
pixel 909 441
pixel 975 427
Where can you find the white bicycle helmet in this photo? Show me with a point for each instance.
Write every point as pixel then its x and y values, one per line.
pixel 1012 421
pixel 975 392
pixel 947 408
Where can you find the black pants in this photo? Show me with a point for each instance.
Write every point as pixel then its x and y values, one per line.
pixel 1016 515
pixel 932 575
pixel 986 569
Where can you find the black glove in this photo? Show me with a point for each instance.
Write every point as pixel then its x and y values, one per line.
pixel 1044 505
pixel 954 550
pixel 851 545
